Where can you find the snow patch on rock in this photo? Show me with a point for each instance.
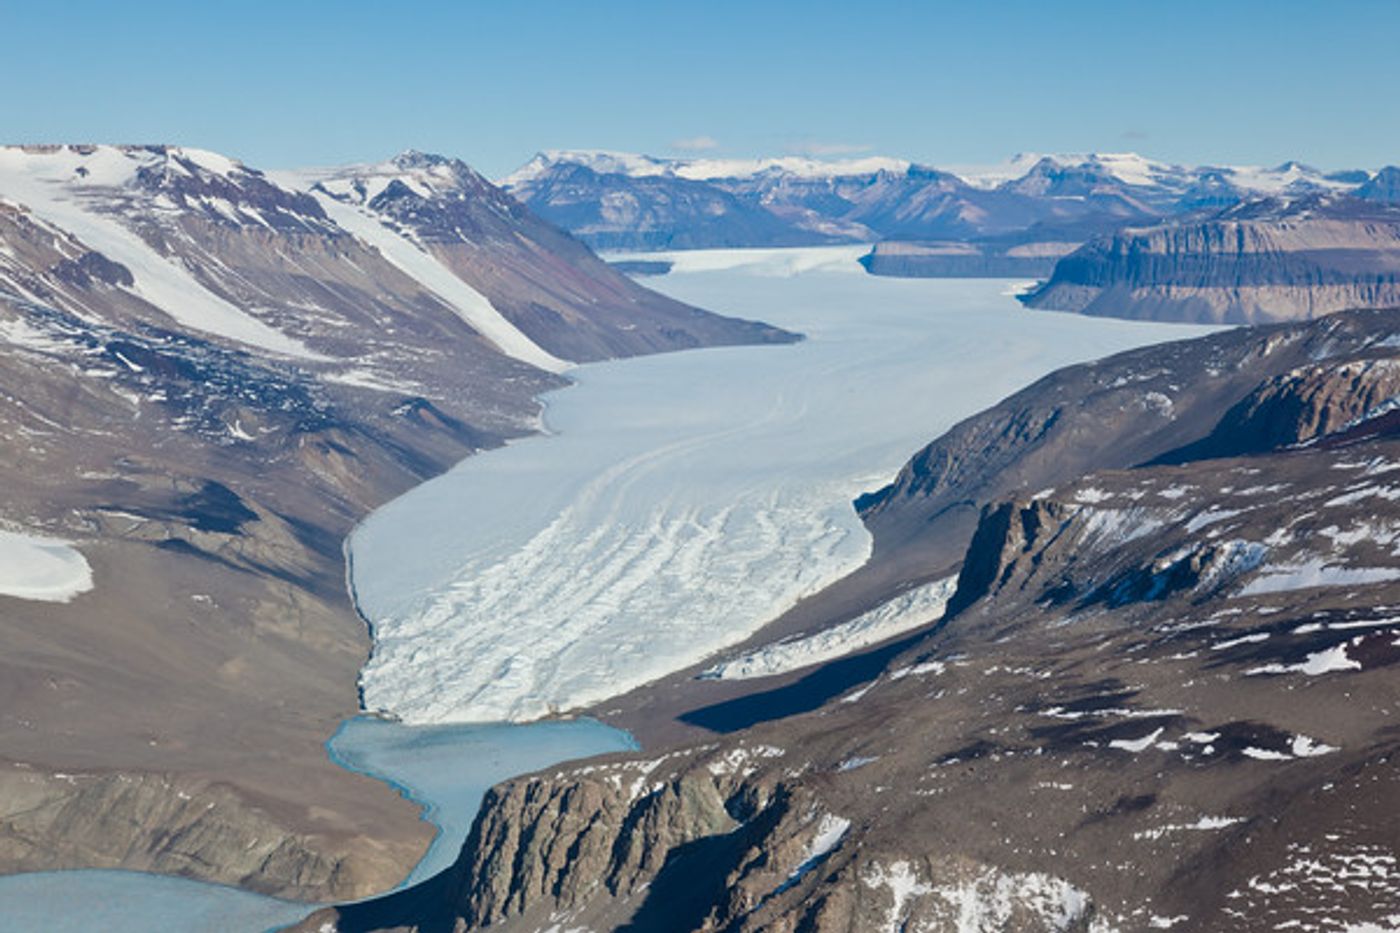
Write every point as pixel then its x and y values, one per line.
pixel 43 569
pixel 913 609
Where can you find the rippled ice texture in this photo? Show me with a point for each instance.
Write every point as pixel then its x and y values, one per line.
pixel 685 499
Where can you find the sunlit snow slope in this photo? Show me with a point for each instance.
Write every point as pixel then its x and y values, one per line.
pixel 683 501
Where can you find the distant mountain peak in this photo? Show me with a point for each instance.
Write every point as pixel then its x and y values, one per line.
pixel 1384 186
pixel 411 159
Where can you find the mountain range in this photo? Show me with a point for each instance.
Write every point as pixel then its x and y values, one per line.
pixel 619 201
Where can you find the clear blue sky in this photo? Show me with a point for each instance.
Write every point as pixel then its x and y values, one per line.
pixel 299 83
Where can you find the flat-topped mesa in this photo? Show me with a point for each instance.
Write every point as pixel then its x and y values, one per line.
pixel 957 259
pixel 1257 262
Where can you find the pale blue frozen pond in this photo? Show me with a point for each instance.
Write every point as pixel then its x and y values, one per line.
pixel 450 768
pixel 133 902
pixel 446 768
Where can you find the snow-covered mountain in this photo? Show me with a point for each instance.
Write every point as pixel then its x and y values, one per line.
pixel 622 200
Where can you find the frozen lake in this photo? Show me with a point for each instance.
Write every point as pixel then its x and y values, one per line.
pixel 681 501
pixel 446 768
pixel 449 769
pixel 133 902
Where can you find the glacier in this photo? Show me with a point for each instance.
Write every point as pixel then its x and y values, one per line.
pixel 679 502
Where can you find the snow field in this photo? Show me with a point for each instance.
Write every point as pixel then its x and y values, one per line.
pixel 910 610
pixel 43 569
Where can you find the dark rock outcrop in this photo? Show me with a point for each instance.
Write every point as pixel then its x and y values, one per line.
pixel 1301 406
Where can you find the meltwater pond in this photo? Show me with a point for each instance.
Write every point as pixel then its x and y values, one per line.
pixel 681 501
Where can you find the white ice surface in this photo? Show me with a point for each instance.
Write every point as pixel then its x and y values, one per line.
pixel 779 262
pixel 830 831
pixel 684 500
pixel 1317 571
pixel 909 610
pixel 1327 661
pixel 48 184
pixel 45 569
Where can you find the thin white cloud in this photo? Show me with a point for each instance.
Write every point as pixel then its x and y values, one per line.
pixel 695 144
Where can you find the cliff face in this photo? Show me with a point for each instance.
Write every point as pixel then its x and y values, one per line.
pixel 1302 406
pixel 180 825
pixel 1253 263
pixel 1162 696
